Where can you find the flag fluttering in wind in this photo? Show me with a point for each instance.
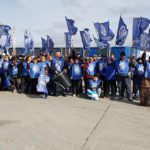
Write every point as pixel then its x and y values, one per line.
pixel 44 43
pixel 104 31
pixel 28 41
pixel 143 42
pixel 101 44
pixel 140 38
pixel 86 39
pixel 71 27
pixel 50 43
pixel 139 26
pixel 68 40
pixel 121 33
pixel 8 43
pixel 4 29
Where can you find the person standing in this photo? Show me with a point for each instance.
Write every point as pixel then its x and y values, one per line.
pixel 124 77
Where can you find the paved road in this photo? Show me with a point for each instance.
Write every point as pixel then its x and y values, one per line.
pixel 58 123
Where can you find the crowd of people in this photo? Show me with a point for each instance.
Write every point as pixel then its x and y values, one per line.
pixel 93 76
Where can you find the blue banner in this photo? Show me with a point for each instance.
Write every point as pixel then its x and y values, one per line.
pixel 4 29
pixel 86 40
pixel 71 28
pixel 104 31
pixel 68 40
pixel 121 33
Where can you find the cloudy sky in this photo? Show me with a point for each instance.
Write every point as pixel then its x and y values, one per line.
pixel 44 17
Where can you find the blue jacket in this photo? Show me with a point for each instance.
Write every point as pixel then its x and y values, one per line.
pixel 147 70
pixel 76 72
pixel 91 69
pixel 110 71
pixel 58 64
pixel 34 70
pixel 14 70
pixel 94 84
pixel 139 70
pixel 123 67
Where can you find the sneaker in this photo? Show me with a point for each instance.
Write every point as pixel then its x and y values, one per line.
pixel 74 95
pixel 130 99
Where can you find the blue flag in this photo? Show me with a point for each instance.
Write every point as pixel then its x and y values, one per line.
pixel 121 33
pixel 101 44
pixel 4 29
pixel 139 26
pixel 68 40
pixel 28 41
pixel 8 42
pixel 143 42
pixel 44 43
pixel 86 40
pixel 50 43
pixel 104 31
pixel 71 28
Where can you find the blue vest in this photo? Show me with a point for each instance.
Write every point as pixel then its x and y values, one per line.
pixel 91 69
pixel 14 70
pixel 34 70
pixel 123 67
pixel 139 70
pixel 94 84
pixel 24 70
pixel 147 71
pixel 101 65
pixel 110 72
pixel 58 64
pixel 5 65
pixel 76 72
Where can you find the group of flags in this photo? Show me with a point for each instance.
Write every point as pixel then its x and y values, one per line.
pixel 140 38
pixel 104 34
pixel 47 44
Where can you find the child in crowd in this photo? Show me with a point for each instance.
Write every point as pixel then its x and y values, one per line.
pixel 6 84
pixel 14 73
pixel 94 88
pixel 76 77
pixel 43 81
pixel 34 74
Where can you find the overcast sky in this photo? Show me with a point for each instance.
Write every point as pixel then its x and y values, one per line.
pixel 44 17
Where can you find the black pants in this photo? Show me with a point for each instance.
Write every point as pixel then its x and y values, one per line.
pixel 76 86
pixel 26 84
pixel 33 84
pixel 110 84
pixel 16 81
pixel 124 83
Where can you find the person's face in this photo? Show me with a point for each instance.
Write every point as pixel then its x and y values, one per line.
pixel 43 59
pixel 46 71
pixel 71 61
pixel 113 56
pixel 35 61
pixel 95 58
pixel 122 56
pixel 58 54
pixel 91 60
pixel 78 55
pixel 29 59
pixel 6 58
pixel 95 78
pixel 76 61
